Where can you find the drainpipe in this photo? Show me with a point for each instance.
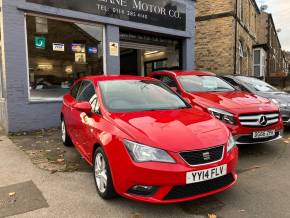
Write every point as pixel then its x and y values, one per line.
pixel 236 33
pixel 269 50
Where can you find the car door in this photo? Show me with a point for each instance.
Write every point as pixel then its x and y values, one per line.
pixel 85 93
pixel 69 100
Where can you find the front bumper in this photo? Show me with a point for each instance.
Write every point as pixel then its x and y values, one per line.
pixel 285 112
pixel 170 180
pixel 244 135
pixel 248 139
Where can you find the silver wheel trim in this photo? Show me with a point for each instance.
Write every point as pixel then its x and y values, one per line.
pixel 101 173
pixel 63 131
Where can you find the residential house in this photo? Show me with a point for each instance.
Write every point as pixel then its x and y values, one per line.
pixel 226 32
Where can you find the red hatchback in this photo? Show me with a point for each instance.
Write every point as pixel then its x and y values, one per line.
pixel 145 142
pixel 250 118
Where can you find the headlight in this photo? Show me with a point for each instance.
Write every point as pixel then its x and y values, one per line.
pixel 144 153
pixel 223 115
pixel 231 143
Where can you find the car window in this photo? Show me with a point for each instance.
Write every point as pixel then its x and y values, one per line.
pixel 234 83
pixel 169 80
pixel 257 85
pixel 74 91
pixel 139 95
pixel 192 83
pixel 86 91
pixel 158 76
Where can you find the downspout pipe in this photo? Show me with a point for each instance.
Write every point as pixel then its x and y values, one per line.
pixel 236 34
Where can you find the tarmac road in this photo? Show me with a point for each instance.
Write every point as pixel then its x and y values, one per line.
pixel 263 189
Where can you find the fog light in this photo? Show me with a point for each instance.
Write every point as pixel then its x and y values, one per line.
pixel 143 190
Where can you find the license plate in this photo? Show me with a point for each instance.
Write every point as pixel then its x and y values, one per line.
pixel 263 134
pixel 204 175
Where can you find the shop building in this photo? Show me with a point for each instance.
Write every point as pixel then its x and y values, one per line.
pixel 47 44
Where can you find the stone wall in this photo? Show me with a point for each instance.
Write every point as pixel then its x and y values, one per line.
pixel 215 45
pixel 220 25
pixel 210 7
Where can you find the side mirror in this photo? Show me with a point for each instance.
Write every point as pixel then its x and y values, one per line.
pixel 85 107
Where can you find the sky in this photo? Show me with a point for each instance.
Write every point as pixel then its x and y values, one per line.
pixel 280 10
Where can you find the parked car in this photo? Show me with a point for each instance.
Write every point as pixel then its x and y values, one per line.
pixel 145 142
pixel 251 119
pixel 261 88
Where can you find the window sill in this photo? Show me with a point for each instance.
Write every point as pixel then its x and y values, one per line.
pixel 48 100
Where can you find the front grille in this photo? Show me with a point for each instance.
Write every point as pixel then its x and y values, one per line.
pixel 200 157
pixel 248 139
pixel 191 190
pixel 259 120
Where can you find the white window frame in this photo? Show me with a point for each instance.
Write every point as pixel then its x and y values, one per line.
pixel 262 64
pixel 240 56
pixel 32 100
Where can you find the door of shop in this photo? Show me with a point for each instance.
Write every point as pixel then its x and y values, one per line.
pixel 143 54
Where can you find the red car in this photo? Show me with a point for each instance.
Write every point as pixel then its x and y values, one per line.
pixel 145 142
pixel 250 118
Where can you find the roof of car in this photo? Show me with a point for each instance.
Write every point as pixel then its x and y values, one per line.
pixel 114 77
pixel 186 72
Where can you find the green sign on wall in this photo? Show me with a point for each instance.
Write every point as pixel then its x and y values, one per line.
pixel 40 42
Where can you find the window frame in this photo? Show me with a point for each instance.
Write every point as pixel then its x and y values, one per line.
pixel 70 20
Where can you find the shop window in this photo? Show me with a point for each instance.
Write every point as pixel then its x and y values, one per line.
pixel 60 52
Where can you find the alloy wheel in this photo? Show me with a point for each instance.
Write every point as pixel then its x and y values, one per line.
pixel 63 131
pixel 101 172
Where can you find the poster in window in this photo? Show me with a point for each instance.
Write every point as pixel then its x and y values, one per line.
pixel 114 49
pixel 77 47
pixel 80 58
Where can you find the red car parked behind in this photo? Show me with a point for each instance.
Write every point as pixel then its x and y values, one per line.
pixel 250 118
pixel 145 142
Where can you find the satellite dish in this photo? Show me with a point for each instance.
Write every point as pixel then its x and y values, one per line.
pixel 279 30
pixel 263 8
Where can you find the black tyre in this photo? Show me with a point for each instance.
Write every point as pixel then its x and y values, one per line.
pixel 102 175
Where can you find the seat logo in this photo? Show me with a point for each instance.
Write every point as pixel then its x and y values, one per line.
pixel 263 120
pixel 206 156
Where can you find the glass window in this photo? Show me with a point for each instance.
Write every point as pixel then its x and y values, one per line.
pixel 257 84
pixel 204 84
pixel 41 25
pixel 75 90
pixel 138 95
pixel 60 52
pixel 170 81
pixel 86 91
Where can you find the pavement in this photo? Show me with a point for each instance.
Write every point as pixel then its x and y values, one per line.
pixel 28 191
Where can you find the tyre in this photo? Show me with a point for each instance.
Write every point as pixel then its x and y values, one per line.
pixel 66 140
pixel 103 176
